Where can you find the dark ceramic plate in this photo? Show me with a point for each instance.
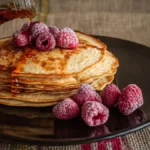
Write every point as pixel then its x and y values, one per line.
pixel 38 126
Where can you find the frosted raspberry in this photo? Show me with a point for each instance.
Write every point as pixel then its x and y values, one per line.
pixel 94 113
pixel 110 95
pixel 28 36
pixel 25 27
pixel 45 41
pixel 67 39
pixel 86 93
pixel 54 30
pixel 32 24
pixel 20 39
pixel 38 28
pixel 66 109
pixel 66 29
pixel 130 99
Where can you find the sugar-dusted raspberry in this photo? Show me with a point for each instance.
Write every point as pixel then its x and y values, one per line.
pixel 45 41
pixel 94 113
pixel 20 39
pixel 38 28
pixel 25 27
pixel 66 29
pixel 28 35
pixel 130 99
pixel 67 39
pixel 86 93
pixel 54 30
pixel 32 24
pixel 110 95
pixel 66 109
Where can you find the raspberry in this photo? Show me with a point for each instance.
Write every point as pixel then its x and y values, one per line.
pixel 38 28
pixel 86 93
pixel 20 39
pixel 110 95
pixel 66 109
pixel 45 41
pixel 67 39
pixel 28 26
pixel 25 27
pixel 66 29
pixel 28 35
pixel 54 30
pixel 94 113
pixel 130 99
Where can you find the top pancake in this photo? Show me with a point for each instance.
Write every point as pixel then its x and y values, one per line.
pixel 58 62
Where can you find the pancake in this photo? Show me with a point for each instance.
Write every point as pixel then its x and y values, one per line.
pixel 32 101
pixel 29 77
pixel 5 77
pixel 45 97
pixel 9 54
pixel 102 82
pixel 12 102
pixel 35 97
pixel 101 69
pixel 107 66
pixel 58 62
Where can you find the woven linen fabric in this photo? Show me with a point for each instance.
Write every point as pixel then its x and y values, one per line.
pixel 128 20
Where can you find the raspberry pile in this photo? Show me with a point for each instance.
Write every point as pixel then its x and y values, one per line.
pixel 45 38
pixel 93 107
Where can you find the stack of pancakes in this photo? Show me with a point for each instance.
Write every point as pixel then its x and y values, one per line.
pixel 29 77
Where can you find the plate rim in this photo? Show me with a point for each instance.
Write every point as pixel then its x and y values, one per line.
pixel 54 142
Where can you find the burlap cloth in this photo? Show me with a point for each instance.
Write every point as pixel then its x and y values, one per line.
pixel 128 20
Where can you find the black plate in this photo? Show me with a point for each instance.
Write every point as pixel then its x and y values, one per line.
pixel 38 126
